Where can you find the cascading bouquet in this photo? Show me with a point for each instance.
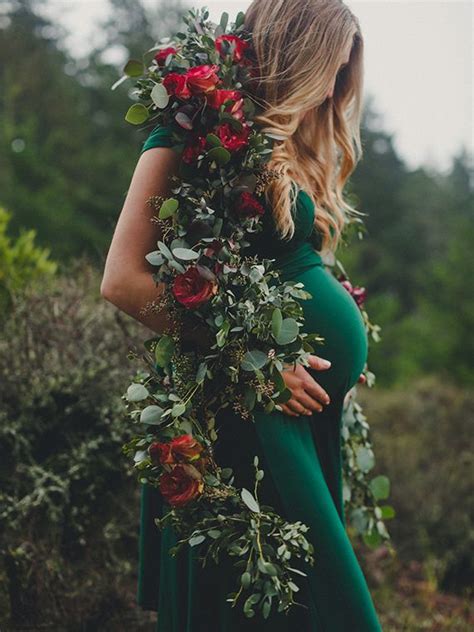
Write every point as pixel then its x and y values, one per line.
pixel 249 323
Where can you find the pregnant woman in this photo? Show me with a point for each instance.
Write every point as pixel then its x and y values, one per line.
pixel 309 53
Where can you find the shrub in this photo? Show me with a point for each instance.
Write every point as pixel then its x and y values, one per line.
pixel 68 505
pixel 423 442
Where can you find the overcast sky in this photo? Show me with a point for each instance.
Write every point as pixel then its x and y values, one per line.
pixel 418 60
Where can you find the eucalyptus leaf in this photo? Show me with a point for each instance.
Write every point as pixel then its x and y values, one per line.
pixel 184 121
pixel 137 114
pixel 151 415
pixel 380 487
pixel 288 331
pixel 178 410
pixel 164 350
pixel 277 320
pixel 365 458
pixel 155 258
pixel 185 254
pixel 219 154
pixel 134 68
pixel 223 21
pixel 168 208
pixel 137 393
pixel 214 140
pixel 249 500
pixel 253 360
pixel 160 96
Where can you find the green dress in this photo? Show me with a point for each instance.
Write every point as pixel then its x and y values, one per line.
pixel 301 457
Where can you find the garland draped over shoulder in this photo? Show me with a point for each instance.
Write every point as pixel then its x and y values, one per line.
pixel 249 322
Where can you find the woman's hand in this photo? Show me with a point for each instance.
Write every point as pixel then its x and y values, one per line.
pixel 307 394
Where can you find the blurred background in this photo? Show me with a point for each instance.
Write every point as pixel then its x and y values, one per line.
pixel 69 504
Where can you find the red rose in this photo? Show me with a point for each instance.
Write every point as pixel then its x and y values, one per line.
pixel 233 41
pixel 216 98
pixel 178 488
pixel 248 206
pixel 176 85
pixel 202 79
pixel 162 54
pixel 192 151
pixel 191 289
pixel 232 140
pixel 160 453
pixel 184 448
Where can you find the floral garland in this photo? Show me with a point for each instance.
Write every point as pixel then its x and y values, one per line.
pixel 250 321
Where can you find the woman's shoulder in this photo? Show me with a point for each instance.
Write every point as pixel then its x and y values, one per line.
pixel 160 136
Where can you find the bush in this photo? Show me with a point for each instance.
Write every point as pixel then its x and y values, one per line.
pixel 69 503
pixel 423 442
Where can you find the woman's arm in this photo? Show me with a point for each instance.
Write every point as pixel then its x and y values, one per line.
pixel 127 281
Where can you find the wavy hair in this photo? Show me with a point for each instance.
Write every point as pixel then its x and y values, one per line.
pixel 299 48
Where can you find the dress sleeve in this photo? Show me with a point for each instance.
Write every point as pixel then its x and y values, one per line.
pixel 160 136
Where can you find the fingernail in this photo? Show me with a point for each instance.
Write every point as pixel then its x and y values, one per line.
pixel 326 363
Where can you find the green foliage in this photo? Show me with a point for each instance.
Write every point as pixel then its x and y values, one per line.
pixel 424 444
pixel 21 261
pixel 64 486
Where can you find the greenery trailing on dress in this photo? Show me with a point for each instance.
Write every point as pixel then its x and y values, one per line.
pixel 246 325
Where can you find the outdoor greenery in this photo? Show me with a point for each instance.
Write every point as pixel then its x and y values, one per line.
pixel 68 502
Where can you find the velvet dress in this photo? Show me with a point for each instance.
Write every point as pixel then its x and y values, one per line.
pixel 301 458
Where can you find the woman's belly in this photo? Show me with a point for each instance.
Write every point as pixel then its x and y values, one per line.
pixel 332 313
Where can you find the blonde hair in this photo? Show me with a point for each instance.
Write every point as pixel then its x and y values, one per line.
pixel 299 47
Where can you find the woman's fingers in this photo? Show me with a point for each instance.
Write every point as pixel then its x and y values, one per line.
pixel 315 390
pixel 288 411
pixel 306 401
pixel 318 363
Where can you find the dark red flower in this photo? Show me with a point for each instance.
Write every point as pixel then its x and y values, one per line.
pixel 176 85
pixel 202 79
pixel 191 289
pixel 178 487
pixel 218 97
pixel 248 206
pixel 213 248
pixel 359 294
pixel 231 139
pixel 162 54
pixel 160 453
pixel 238 44
pixel 192 151
pixel 184 448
